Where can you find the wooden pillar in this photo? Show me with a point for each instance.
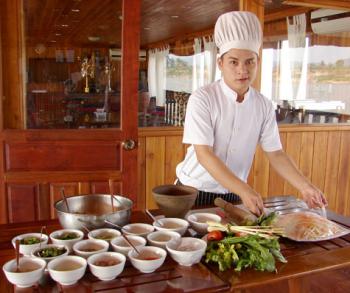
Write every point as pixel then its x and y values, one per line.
pixel 13 63
pixel 3 210
pixel 257 7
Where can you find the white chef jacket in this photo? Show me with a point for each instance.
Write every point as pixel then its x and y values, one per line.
pixel 233 129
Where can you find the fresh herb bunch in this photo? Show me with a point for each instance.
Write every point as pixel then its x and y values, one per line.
pixel 250 251
pixel 266 220
pixel 246 246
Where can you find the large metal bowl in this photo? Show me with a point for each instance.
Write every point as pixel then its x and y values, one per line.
pixel 91 211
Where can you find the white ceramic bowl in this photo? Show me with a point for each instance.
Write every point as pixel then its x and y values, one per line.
pixel 38 252
pixel 67 270
pixel 106 234
pixel 26 278
pixel 199 221
pixel 66 234
pixel 139 229
pixel 87 247
pixel 119 244
pixel 149 259
pixel 186 251
pixel 161 238
pixel 171 224
pixel 101 265
pixel 26 249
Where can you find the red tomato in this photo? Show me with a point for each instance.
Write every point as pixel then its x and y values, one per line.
pixel 215 235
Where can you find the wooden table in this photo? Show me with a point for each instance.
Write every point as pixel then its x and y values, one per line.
pixel 312 267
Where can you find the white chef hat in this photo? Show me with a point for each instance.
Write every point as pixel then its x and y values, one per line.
pixel 239 30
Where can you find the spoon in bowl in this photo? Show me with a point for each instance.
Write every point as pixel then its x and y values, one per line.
pixel 65 199
pixel 17 255
pixel 124 236
pixel 153 218
pixel 83 225
pixel 111 191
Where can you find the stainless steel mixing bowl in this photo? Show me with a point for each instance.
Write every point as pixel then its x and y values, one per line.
pixel 91 211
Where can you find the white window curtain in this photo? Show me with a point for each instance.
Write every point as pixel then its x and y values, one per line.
pixel 298 57
pixel 157 74
pixel 204 63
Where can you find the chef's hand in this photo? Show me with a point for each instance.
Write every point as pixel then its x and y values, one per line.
pixel 313 197
pixel 253 201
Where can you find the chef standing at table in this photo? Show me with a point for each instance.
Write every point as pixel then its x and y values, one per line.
pixel 226 119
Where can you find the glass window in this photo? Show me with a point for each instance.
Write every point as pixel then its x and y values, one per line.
pixel 73 63
pixel 179 73
pixel 311 78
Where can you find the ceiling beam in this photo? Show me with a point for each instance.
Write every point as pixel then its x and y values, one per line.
pixel 332 4
pixel 273 16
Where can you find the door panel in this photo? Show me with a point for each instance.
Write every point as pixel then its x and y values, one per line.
pixel 61 156
pixel 21 200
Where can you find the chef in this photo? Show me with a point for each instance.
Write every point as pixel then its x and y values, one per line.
pixel 227 119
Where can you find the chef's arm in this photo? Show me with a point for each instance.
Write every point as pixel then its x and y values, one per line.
pixel 219 171
pixel 286 168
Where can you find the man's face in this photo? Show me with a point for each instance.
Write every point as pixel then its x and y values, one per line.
pixel 239 69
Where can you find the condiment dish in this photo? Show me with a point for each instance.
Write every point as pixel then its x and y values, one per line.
pixel 187 250
pixel 106 265
pixel 171 224
pixel 67 237
pixel 148 260
pixel 49 252
pixel 30 271
pixel 67 270
pixel 139 229
pixel 87 247
pixel 29 242
pixel 161 238
pixel 106 234
pixel 198 221
pixel 119 244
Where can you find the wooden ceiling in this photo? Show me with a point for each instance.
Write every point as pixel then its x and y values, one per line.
pixel 97 23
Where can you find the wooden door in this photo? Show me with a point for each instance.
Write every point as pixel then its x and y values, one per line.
pixel 36 164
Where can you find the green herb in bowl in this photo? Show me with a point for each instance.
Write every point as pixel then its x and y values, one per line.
pixel 67 236
pixel 51 251
pixel 30 240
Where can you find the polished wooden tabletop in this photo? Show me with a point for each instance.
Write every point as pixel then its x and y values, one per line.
pixel 312 267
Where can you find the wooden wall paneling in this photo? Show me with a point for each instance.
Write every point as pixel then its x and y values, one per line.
pixel 343 191
pixel 155 160
pixel 22 202
pixel 306 154
pixel 250 179
pixel 102 187
pixel 173 155
pixel 261 172
pixel 332 168
pixel 293 150
pixel 276 182
pixel 84 187
pixel 44 201
pixel 141 173
pixel 320 159
pixel 70 188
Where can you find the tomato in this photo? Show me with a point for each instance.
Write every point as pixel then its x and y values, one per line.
pixel 215 235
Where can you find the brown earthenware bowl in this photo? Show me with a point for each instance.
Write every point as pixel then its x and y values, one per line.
pixel 175 200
